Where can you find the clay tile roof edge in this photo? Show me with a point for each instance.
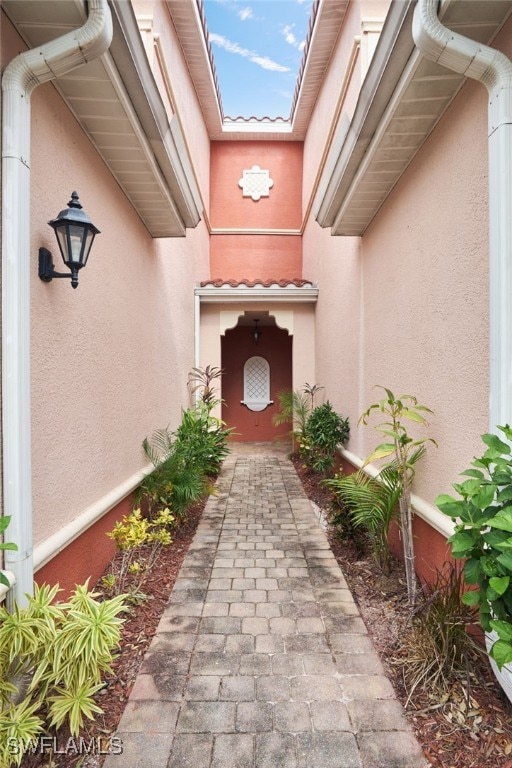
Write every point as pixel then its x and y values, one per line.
pixel 231 283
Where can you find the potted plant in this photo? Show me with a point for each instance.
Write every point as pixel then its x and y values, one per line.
pixel 483 538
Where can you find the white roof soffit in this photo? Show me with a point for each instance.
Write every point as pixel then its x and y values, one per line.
pixel 116 101
pixel 214 294
pixel 188 22
pixel 401 101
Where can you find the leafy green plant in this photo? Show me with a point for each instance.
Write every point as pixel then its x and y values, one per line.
pixel 311 390
pixel 294 409
pixel 203 439
pixel 52 660
pixel 5 545
pixel 324 431
pixel 139 539
pixel 200 379
pixel 406 452
pixel 175 482
pixel 371 504
pixel 437 646
pixel 184 460
pixel 483 538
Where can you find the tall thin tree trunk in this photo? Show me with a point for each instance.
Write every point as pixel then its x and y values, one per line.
pixel 408 542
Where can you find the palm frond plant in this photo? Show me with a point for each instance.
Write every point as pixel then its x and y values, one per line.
pixel 159 447
pixel 177 480
pixel 370 504
pixel 294 409
pixel 184 461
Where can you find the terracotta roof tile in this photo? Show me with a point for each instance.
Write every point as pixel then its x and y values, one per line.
pixel 230 283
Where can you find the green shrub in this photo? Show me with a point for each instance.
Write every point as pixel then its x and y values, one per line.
pixel 202 439
pixel 295 408
pixel 483 538
pixel 324 431
pixel 183 461
pixel 370 504
pixel 52 659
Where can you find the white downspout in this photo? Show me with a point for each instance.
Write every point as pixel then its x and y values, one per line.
pixel 494 70
pixel 20 78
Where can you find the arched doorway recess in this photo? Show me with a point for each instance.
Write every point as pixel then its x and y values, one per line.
pixel 255 372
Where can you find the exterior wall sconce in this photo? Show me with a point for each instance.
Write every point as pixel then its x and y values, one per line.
pixel 75 235
pixel 256 333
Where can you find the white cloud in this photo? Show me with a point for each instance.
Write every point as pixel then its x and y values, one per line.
pixel 246 13
pixel 265 63
pixel 262 61
pixel 289 36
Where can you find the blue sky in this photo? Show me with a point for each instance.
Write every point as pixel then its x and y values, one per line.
pixel 257 47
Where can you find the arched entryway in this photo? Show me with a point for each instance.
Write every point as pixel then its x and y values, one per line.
pixel 255 372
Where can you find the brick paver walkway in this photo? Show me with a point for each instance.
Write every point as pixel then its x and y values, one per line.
pixel 261 659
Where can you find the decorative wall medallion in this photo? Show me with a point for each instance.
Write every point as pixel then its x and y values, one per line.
pixel 256 183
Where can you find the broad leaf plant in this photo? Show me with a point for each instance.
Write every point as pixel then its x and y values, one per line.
pixel 483 538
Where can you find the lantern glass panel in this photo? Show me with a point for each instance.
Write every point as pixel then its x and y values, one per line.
pixel 62 240
pixel 75 239
pixel 89 237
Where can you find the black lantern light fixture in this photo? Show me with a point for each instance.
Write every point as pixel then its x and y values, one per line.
pixel 256 333
pixel 75 235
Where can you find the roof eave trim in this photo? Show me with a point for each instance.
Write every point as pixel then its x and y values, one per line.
pixel 165 136
pixel 391 56
pixel 224 295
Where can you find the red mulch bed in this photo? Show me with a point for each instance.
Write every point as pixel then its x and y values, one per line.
pixel 452 734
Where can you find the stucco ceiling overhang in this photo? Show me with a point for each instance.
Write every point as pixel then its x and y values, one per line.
pixel 225 291
pixel 116 101
pixel 401 101
pixel 188 20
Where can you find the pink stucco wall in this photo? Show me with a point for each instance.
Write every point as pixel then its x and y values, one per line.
pixel 425 291
pixel 334 263
pixel 253 250
pixel 410 304
pixel 109 360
